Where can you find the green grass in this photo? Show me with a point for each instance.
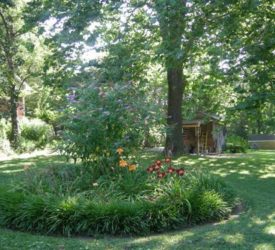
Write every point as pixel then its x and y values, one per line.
pixel 252 175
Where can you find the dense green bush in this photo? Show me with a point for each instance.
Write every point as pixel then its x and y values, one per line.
pixel 36 131
pixel 70 200
pixel 236 144
pixel 34 134
pixel 101 117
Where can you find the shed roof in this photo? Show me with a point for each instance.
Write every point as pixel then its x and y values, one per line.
pixel 201 118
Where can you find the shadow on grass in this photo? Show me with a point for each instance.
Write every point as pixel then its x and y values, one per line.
pixel 12 169
pixel 252 176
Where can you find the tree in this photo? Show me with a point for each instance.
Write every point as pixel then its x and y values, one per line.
pixel 17 57
pixel 248 35
pixel 180 35
pixel 9 32
pixel 171 17
pixel 185 27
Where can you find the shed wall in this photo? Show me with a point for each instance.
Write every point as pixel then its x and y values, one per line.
pixel 268 144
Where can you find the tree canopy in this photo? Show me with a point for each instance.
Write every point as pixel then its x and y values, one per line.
pixel 182 57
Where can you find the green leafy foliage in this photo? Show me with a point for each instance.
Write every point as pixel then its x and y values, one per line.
pixel 94 130
pixel 37 131
pixel 236 144
pixel 35 134
pixel 66 201
pixel 21 58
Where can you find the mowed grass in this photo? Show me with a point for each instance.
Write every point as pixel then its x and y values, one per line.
pixel 252 175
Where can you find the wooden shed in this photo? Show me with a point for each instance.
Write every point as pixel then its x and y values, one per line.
pixel 205 134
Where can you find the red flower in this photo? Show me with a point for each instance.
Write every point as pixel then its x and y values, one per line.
pixel 167 160
pixel 161 175
pixel 150 169
pixel 158 163
pixel 180 171
pixel 170 170
pixel 157 167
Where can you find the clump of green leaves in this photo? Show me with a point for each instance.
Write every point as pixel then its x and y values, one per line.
pixel 99 119
pixel 36 130
pixel 35 134
pixel 236 144
pixel 70 200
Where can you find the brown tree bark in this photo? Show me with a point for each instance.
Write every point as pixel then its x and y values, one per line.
pixel 14 118
pixel 7 45
pixel 174 141
pixel 172 22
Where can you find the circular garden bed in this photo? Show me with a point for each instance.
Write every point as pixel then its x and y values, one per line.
pixel 73 200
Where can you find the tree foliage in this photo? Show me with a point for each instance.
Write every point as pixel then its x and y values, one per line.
pixel 183 56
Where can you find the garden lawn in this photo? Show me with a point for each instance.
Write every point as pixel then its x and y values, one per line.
pixel 252 175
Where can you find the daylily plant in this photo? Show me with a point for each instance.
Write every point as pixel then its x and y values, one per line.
pixel 164 167
pixel 123 163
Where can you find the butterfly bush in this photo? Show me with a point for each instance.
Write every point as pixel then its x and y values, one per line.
pixel 100 118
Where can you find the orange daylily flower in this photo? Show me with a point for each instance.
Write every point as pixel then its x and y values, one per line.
pixel 123 163
pixel 132 167
pixel 120 150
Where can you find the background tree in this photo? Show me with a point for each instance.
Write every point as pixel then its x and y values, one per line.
pixel 200 46
pixel 248 36
pixel 21 57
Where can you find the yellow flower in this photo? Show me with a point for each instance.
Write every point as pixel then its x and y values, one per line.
pixel 120 150
pixel 123 163
pixel 132 167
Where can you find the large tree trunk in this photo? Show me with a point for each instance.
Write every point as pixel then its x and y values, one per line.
pixel 14 118
pixel 172 23
pixel 174 141
pixel 9 49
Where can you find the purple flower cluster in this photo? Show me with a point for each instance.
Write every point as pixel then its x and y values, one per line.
pixel 71 97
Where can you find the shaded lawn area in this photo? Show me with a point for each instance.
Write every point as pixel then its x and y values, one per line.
pixel 252 176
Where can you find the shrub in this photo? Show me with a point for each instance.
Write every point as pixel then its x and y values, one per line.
pixel 34 134
pixel 94 129
pixel 236 144
pixel 25 146
pixel 36 131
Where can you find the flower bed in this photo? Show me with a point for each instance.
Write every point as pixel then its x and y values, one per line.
pixel 138 200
